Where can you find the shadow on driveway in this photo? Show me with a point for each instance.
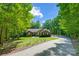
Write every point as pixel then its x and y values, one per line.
pixel 61 49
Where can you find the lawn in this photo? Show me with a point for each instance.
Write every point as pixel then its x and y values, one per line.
pixel 30 41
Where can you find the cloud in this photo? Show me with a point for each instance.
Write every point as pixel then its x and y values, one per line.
pixel 36 12
pixel 43 21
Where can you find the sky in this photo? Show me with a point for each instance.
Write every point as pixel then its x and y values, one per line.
pixel 44 11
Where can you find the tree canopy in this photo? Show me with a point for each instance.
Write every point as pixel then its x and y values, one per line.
pixel 69 20
pixel 36 25
pixel 14 18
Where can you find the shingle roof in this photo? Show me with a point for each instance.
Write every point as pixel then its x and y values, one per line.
pixel 33 30
pixel 36 30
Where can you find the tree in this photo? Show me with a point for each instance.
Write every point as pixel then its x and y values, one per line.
pixel 14 18
pixel 69 20
pixel 36 25
pixel 47 24
pixel 53 25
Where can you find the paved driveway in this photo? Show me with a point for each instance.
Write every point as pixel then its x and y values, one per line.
pixel 60 47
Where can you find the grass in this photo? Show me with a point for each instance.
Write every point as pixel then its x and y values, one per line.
pixel 30 41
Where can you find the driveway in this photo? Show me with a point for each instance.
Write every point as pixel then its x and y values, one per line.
pixel 60 47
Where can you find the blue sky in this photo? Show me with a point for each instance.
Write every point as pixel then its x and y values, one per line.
pixel 44 11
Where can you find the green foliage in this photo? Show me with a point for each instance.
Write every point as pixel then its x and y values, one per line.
pixel 52 25
pixel 69 20
pixel 14 18
pixel 47 24
pixel 36 25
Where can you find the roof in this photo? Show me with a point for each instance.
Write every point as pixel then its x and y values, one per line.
pixel 33 30
pixel 36 30
pixel 45 30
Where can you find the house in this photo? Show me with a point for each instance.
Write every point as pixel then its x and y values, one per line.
pixel 44 33
pixel 32 32
pixel 38 32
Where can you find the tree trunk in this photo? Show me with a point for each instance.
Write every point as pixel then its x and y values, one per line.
pixel 6 34
pixel 1 30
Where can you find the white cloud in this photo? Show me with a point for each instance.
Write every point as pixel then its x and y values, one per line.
pixel 43 21
pixel 36 12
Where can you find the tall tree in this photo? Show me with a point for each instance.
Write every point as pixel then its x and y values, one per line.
pixel 69 20
pixel 53 25
pixel 47 24
pixel 14 18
